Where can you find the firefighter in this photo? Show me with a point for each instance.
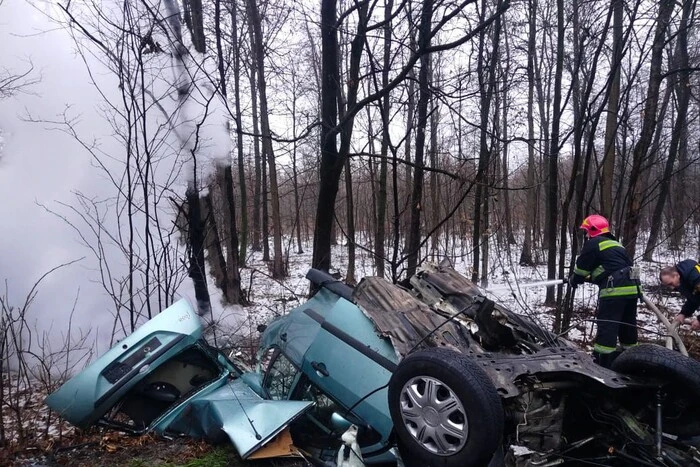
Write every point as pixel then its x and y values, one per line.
pixel 684 277
pixel 605 262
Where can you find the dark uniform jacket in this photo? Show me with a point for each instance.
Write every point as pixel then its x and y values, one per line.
pixel 690 285
pixel 604 261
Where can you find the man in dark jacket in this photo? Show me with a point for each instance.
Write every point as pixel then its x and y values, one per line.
pixel 685 277
pixel 605 262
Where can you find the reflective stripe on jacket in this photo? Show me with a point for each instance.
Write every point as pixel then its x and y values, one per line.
pixel 604 261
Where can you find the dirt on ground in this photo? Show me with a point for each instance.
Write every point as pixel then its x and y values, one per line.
pixel 119 450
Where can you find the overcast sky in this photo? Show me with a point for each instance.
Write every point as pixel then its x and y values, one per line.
pixel 42 166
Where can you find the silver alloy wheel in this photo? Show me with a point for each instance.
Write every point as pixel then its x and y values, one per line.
pixel 433 415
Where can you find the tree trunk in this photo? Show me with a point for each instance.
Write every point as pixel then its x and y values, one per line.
pixel 259 202
pixel 232 278
pixel 350 213
pixel 278 269
pixel 486 90
pixel 553 158
pixel 526 253
pixel 424 93
pixel 408 172
pixel 380 232
pixel 295 176
pixel 682 88
pixel 608 166
pixel 197 267
pixel 243 236
pixel 510 238
pixel 433 157
pixel 330 165
pixel 333 158
pixel 634 195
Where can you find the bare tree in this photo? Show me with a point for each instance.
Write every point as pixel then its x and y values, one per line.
pixel 278 268
pixel 630 228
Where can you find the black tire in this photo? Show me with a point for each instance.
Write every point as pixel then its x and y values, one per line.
pixel 466 433
pixel 681 378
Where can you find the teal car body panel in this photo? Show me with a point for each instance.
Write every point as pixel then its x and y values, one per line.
pixel 340 351
pixel 83 399
pixel 235 409
pixel 223 404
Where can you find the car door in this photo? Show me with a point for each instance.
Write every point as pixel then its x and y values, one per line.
pixel 351 363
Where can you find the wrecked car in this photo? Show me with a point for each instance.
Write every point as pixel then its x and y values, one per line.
pixel 432 371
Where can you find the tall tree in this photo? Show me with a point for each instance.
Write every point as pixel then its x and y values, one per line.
pixel 681 86
pixel 230 268
pixel 553 157
pixel 331 165
pixel 641 149
pixel 380 232
pixel 608 166
pixel 414 233
pixel 238 116
pixel 486 72
pixel 526 253
pixel 278 269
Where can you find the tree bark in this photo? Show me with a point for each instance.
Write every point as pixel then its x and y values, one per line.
pixel 243 236
pixel 487 82
pixel 331 166
pixel 641 149
pixel 608 166
pixel 424 94
pixel 526 253
pixel 553 158
pixel 380 235
pixel 278 268
pixel 682 89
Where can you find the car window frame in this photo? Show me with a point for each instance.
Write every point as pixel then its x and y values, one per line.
pixel 267 370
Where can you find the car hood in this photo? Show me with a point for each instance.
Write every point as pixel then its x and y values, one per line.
pixel 235 410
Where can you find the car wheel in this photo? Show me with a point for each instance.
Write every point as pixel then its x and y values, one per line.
pixel 681 376
pixel 446 411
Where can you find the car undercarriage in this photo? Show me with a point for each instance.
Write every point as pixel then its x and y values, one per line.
pixel 558 405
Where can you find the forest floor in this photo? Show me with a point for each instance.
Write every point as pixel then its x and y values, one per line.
pixel 101 449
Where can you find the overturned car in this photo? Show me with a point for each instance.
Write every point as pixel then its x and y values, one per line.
pixel 431 371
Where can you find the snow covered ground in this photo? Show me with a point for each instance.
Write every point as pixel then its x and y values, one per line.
pixel 273 298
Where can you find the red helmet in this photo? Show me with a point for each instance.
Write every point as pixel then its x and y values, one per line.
pixel 595 225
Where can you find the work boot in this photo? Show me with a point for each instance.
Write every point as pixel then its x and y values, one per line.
pixel 605 359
